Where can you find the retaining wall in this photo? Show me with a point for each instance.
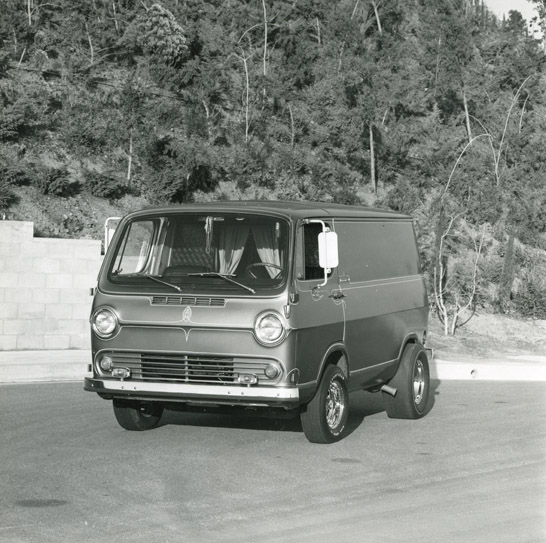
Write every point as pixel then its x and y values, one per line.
pixel 44 289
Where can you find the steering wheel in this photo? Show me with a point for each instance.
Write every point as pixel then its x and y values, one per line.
pixel 260 264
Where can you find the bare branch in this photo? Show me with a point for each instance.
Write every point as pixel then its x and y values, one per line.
pixel 246 92
pixel 459 159
pixel 22 56
pixel 497 175
pixel 514 99
pixel 475 270
pixel 92 58
pixel 265 40
pixel 522 112
pixel 377 18
pixel 292 131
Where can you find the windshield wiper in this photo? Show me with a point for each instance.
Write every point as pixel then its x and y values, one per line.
pixel 163 282
pixel 153 278
pixel 225 277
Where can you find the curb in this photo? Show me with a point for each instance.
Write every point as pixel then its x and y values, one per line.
pixel 509 369
pixel 72 365
pixel 43 366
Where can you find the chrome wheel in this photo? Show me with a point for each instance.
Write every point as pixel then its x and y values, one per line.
pixel 412 382
pixel 335 405
pixel 419 382
pixel 325 417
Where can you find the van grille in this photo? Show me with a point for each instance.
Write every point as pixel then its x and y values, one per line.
pixel 201 301
pixel 186 368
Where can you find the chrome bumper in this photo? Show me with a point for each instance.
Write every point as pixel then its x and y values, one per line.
pixel 192 392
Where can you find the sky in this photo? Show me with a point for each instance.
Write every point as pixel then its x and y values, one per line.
pixel 527 10
pixel 500 7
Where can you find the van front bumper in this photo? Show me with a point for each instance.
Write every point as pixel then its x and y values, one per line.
pixel 198 393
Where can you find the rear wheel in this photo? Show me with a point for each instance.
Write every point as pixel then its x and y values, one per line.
pixel 135 415
pixel 412 382
pixel 326 416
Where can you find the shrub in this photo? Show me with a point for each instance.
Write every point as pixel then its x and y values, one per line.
pixel 105 186
pixel 530 299
pixel 17 174
pixel 55 182
pixel 7 197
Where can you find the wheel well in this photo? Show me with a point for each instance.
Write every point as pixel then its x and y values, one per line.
pixel 338 358
pixel 409 340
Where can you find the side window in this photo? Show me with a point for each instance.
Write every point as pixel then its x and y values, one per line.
pixel 134 251
pixel 308 267
pixel 370 250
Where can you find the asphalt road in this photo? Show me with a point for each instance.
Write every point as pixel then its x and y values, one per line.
pixel 472 470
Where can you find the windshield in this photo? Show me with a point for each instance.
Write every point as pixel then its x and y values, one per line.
pixel 247 253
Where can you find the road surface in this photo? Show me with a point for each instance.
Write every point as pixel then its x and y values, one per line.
pixel 472 470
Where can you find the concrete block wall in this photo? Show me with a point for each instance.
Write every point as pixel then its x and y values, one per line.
pixel 44 289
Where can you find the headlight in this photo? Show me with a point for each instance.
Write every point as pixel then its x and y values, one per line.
pixel 104 322
pixel 269 329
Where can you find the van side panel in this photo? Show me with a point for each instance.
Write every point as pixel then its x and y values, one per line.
pixel 385 296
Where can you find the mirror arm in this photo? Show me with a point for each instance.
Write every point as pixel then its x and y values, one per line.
pixel 324 229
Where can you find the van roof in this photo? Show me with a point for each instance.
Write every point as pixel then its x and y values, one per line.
pixel 290 209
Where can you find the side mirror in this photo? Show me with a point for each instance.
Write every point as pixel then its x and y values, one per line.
pixel 110 225
pixel 328 253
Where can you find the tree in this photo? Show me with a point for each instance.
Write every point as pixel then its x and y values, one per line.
pixel 455 278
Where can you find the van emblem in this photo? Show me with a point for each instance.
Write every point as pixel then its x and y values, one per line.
pixel 186 315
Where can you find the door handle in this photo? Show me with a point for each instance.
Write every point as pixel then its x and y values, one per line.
pixel 337 295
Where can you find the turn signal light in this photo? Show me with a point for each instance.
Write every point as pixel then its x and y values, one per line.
pixel 247 379
pixel 121 373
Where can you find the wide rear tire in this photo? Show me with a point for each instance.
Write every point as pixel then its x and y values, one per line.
pixel 135 415
pixel 325 419
pixel 412 381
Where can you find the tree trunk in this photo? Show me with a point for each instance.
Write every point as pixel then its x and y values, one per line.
pixel 130 159
pixel 292 130
pixel 91 49
pixel 467 117
pixel 265 40
pixel 507 274
pixel 372 161
pixel 379 28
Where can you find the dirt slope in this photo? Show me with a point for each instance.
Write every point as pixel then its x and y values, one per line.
pixel 489 336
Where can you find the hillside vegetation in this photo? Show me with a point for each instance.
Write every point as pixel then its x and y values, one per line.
pixel 433 108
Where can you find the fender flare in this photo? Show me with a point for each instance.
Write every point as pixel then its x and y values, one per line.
pixel 411 337
pixel 333 354
pixel 333 350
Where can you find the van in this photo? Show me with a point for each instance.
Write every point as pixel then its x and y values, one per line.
pixel 285 307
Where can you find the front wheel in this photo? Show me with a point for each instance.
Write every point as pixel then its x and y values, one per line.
pixel 412 381
pixel 136 415
pixel 326 416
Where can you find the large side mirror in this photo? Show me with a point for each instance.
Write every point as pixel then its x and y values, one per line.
pixel 110 225
pixel 328 253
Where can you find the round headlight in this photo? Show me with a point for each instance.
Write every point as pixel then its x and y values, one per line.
pixel 104 323
pixel 269 329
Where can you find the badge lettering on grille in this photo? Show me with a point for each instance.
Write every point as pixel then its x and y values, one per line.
pixel 186 315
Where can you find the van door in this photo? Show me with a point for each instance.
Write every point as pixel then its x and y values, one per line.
pixel 317 315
